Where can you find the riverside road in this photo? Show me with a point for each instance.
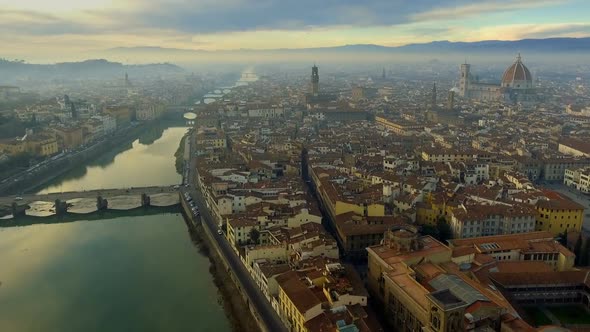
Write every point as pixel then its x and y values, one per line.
pixel 267 314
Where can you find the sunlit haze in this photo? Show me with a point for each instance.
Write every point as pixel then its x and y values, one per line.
pixel 294 165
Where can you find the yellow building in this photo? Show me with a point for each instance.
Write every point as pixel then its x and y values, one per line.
pixel 356 196
pixel 123 114
pixel 357 232
pixel 419 288
pixel 558 214
pixel 399 126
pixel 390 280
pixel 13 146
pixel 299 303
pixel 436 154
pixel 42 145
pixel 423 285
pixel 70 137
pixel 370 209
pixel 433 207
pixel 211 138
pixel 38 145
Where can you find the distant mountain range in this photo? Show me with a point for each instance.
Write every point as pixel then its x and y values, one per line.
pixel 89 69
pixel 548 45
pixel 12 72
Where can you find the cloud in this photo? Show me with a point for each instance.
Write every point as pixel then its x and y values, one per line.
pixel 205 16
pixel 524 31
pixel 480 9
pixel 43 27
pixel 211 16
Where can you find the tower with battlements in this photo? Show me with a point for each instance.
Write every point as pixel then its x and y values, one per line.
pixel 315 81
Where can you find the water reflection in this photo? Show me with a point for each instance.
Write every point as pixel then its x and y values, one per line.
pixel 137 165
pixel 125 274
pixel 151 135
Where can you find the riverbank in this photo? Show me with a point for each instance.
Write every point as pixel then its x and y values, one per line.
pixel 236 309
pixel 179 155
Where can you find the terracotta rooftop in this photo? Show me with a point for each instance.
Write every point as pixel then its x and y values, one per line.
pixel 302 296
pixel 558 202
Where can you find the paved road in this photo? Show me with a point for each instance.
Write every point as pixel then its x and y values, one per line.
pixel 105 193
pixel 268 315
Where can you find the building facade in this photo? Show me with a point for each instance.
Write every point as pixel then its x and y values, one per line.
pixel 516 85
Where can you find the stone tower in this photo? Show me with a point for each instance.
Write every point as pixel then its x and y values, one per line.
pixel 464 81
pixel 451 100
pixel 315 80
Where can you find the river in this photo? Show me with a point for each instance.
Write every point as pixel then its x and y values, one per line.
pixel 147 161
pixel 124 274
pixel 130 273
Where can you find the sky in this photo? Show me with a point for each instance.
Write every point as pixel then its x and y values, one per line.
pixel 65 28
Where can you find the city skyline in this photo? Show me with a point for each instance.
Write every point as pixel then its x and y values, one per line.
pixel 75 30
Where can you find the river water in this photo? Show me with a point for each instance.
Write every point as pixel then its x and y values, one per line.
pixel 130 273
pixel 147 161
pixel 124 274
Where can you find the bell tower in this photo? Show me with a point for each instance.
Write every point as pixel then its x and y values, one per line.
pixel 464 81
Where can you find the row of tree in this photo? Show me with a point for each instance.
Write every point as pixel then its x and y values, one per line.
pixel 581 249
pixel 441 231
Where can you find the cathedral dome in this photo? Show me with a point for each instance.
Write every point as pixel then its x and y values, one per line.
pixel 517 76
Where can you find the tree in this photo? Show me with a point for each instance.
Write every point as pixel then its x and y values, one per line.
pixel 429 230
pixel 585 254
pixel 578 249
pixel 444 230
pixel 254 235
pixel 563 238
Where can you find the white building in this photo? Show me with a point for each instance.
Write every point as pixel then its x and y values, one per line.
pixel 578 178
pixel 497 219
pixel 149 112
pixel 266 112
pixel 109 123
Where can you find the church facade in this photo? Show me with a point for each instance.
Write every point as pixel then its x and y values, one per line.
pixel 516 85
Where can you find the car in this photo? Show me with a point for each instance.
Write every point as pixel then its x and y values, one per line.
pixel 219 232
pixel 18 198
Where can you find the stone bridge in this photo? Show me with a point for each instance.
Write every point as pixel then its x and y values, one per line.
pixel 18 203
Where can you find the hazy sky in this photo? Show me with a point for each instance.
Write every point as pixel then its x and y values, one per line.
pixel 54 27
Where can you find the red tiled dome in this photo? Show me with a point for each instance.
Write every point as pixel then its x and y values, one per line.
pixel 516 75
